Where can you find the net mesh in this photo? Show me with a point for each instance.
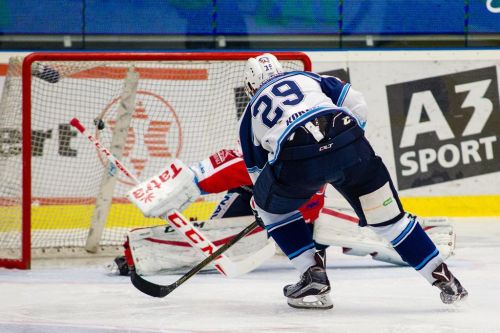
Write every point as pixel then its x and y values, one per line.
pixel 182 109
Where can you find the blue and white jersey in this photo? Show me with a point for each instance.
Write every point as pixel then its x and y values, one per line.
pixel 280 106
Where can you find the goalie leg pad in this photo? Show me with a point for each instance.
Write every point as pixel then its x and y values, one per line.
pixel 340 228
pixel 161 250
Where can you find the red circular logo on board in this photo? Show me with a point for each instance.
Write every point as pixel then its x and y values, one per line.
pixel 154 135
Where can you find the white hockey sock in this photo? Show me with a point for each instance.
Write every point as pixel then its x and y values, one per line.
pixel 304 260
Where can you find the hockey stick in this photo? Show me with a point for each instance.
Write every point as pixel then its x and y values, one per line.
pixel 221 262
pixel 158 290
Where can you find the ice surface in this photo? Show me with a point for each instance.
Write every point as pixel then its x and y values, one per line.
pixel 71 296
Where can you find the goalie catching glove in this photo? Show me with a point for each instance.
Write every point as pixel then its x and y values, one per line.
pixel 173 188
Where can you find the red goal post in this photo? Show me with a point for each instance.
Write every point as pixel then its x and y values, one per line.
pixel 57 197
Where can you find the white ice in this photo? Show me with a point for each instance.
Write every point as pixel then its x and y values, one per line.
pixel 56 297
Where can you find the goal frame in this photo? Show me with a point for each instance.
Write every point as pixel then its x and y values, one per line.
pixel 25 261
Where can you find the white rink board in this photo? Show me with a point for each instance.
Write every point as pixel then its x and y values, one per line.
pixel 451 148
pixel 370 72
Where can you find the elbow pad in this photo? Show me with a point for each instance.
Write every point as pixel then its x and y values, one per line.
pixel 356 104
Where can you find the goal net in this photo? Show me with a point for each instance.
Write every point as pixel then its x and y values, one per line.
pixel 58 195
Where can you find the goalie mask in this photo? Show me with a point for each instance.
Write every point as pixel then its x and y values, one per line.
pixel 260 69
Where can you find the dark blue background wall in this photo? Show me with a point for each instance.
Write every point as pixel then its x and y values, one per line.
pixel 207 17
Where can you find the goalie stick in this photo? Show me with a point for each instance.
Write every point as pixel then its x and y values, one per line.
pixel 221 262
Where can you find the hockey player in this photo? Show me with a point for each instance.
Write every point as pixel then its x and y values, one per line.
pixel 225 170
pixel 297 135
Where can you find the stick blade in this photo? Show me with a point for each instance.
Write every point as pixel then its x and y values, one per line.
pixel 150 288
pixel 77 124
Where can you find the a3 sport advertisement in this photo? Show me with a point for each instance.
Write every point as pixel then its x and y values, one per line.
pixel 445 127
pixel 434 118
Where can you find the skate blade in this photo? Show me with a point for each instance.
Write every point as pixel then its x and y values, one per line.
pixel 453 299
pixel 317 302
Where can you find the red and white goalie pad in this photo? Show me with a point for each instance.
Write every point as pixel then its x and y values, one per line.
pixel 340 228
pixel 161 250
pixel 173 188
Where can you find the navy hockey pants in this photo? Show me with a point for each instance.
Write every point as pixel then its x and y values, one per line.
pixel 353 170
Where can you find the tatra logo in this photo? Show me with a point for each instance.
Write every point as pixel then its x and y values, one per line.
pixel 446 127
pixel 154 135
pixel 145 193
pixel 148 197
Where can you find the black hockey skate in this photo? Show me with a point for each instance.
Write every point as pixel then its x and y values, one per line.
pixel 313 289
pixel 451 289
pixel 122 265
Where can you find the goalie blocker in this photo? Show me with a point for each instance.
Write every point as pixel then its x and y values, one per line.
pixel 173 188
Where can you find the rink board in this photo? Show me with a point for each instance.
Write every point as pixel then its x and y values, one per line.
pixel 433 118
pixel 54 217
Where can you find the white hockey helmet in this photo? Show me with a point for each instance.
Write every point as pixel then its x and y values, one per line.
pixel 260 69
